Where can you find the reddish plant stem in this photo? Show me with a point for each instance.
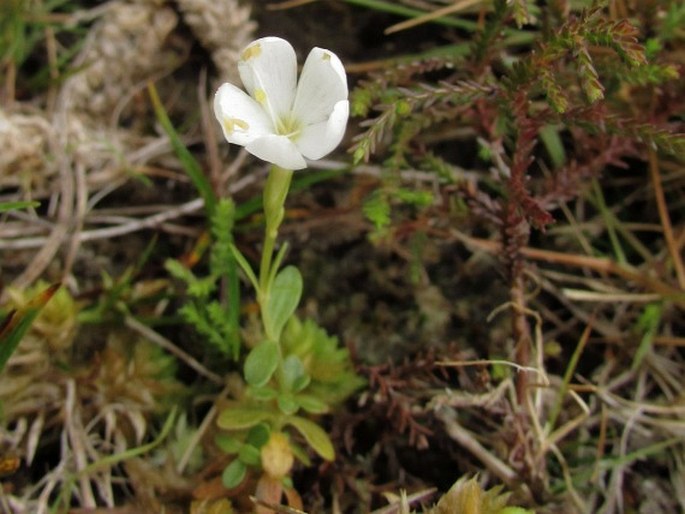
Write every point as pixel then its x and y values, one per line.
pixel 521 333
pixel 521 210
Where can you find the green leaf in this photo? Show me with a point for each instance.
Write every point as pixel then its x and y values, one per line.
pixel 10 206
pixel 258 435
pixel 283 299
pixel 261 363
pixel 312 404
pixel 263 394
pixel 220 321
pixel 294 376
pixel 549 134
pixel 521 14
pixel 221 260
pixel 240 418
pixel 376 209
pixel 300 454
pixel 648 323
pixel 178 270
pixel 202 288
pixel 287 404
pixel 249 455
pixel 222 264
pixel 17 323
pixel 227 443
pixel 233 474
pixel 314 435
pixel 245 266
pixel 413 197
pixel 332 375
pixel 301 382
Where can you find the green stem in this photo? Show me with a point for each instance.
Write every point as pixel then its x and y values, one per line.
pixel 265 266
pixel 275 193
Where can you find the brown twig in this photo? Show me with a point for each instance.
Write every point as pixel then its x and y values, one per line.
pixel 462 436
pixel 665 218
pixel 209 135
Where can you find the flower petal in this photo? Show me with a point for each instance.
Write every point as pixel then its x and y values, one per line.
pixel 268 69
pixel 278 150
pixel 241 118
pixel 320 139
pixel 322 85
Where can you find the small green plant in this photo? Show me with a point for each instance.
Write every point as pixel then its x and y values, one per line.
pixel 467 496
pixel 203 310
pixel 313 375
pixel 293 369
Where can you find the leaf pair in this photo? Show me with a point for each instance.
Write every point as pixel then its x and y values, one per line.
pixel 285 294
pixel 247 453
pixel 242 418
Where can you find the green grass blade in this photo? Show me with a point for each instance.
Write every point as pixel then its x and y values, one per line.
pixel 648 324
pixel 549 135
pixel 610 222
pixel 190 164
pixel 13 206
pixel 17 322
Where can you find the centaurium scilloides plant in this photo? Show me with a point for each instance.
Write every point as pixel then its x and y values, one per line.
pixel 282 121
pixel 295 366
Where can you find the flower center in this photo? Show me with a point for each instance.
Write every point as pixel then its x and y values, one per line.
pixel 288 126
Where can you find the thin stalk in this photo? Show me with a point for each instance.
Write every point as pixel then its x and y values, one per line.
pixel 265 264
pixel 610 223
pixel 275 193
pixel 568 374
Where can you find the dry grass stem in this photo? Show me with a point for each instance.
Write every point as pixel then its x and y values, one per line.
pixel 164 343
pixel 465 439
pixel 457 6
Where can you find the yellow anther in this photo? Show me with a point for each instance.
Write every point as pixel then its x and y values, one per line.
pixel 260 96
pixel 251 52
pixel 326 56
pixel 289 127
pixel 230 125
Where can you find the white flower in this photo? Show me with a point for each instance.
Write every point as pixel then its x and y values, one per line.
pixel 282 121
